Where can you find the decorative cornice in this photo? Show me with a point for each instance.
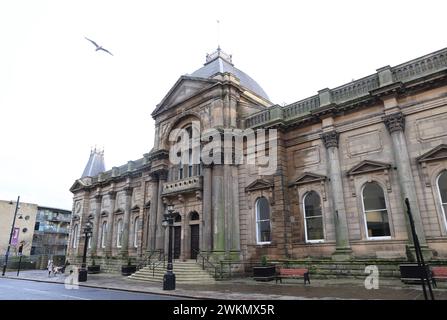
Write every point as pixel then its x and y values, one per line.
pixel 394 122
pixel 159 155
pixel 330 139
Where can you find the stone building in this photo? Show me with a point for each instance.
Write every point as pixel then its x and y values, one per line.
pixel 346 158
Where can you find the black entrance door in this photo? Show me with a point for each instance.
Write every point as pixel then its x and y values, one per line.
pixel 177 241
pixel 194 240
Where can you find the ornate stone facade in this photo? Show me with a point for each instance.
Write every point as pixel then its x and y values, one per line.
pixel 344 165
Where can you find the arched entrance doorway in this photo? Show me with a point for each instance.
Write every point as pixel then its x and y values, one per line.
pixel 177 236
pixel 194 225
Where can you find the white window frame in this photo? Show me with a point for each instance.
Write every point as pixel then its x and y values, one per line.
pixel 305 219
pixel 258 221
pixel 364 214
pixel 440 198
pixel 75 236
pixel 135 232
pixel 119 233
pixel 103 234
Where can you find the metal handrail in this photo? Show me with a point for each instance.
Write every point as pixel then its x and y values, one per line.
pixel 161 259
pixel 205 259
pixel 148 260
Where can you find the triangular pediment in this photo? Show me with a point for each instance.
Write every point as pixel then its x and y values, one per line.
pixel 184 88
pixel 78 185
pixel 259 184
pixel 368 166
pixel 438 153
pixel 308 177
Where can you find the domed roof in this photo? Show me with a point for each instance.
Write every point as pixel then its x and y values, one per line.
pixel 219 61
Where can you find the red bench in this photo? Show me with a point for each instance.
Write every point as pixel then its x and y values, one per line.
pixel 293 273
pixel 438 273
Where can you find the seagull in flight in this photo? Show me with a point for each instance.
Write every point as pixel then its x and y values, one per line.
pixel 99 47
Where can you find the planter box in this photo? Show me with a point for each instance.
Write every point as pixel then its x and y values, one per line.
pixel 264 273
pixel 128 270
pixel 94 269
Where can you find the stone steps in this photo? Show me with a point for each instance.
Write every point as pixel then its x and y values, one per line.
pixel 188 272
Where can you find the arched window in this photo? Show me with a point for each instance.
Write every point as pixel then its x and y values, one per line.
pixel 119 234
pixel 442 189
pixel 262 221
pixel 135 232
pixel 103 234
pixel 313 218
pixel 194 216
pixel 75 237
pixel 178 218
pixel 376 214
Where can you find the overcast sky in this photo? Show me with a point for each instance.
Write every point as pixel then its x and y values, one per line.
pixel 59 98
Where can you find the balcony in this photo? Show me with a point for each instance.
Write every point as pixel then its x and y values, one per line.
pixel 185 185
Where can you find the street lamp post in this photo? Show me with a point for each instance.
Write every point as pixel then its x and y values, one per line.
pixel 169 277
pixel 10 236
pixel 82 277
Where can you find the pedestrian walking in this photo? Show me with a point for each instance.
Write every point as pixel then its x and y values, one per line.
pixel 50 267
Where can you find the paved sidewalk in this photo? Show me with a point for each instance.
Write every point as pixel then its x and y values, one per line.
pixel 248 289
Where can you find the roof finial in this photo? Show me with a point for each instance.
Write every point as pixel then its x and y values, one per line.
pixel 218 35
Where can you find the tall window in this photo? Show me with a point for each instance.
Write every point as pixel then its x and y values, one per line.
pixel 262 221
pixel 442 188
pixel 313 218
pixel 75 237
pixel 103 234
pixel 135 233
pixel 376 214
pixel 119 234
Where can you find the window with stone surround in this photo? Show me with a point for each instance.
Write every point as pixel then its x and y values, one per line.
pixel 313 217
pixel 75 237
pixel 263 228
pixel 375 211
pixel 442 190
pixel 103 234
pixel 119 234
pixel 135 232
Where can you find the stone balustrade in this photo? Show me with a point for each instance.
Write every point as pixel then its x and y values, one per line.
pixel 427 64
pixel 355 89
pixel 184 185
pixel 405 72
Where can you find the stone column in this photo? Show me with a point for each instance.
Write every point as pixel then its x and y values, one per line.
pixel 343 249
pixel 112 197
pixel 395 124
pixel 159 230
pixel 207 240
pixel 231 212
pixel 96 228
pixel 153 214
pixel 126 222
pixel 218 209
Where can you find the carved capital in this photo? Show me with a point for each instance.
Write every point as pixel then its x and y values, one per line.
pixel 161 174
pixel 395 122
pixel 128 191
pixel 98 198
pixel 330 139
pixel 112 195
